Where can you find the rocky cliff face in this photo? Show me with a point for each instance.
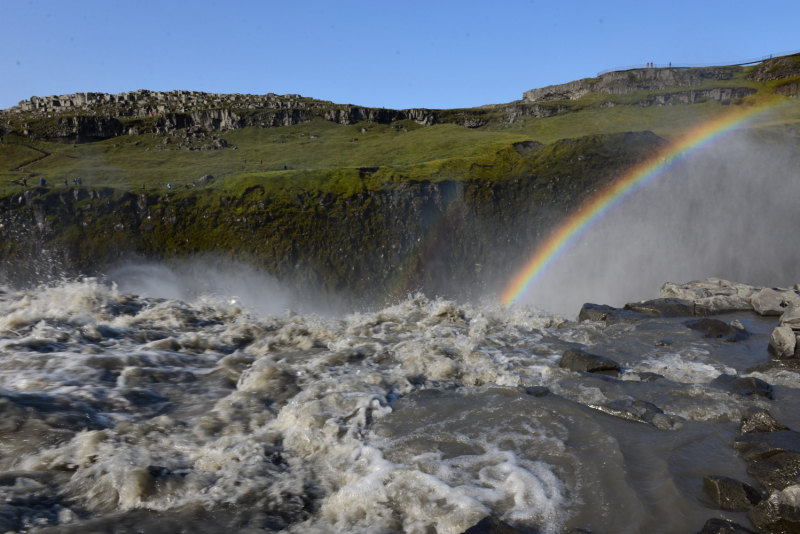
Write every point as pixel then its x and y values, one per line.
pixel 623 82
pixel 777 68
pixel 84 117
pixel 442 237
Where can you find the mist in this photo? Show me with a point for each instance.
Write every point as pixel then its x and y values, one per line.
pixel 189 280
pixel 731 211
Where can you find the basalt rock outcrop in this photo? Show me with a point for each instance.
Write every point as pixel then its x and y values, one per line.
pixel 776 69
pixel 623 82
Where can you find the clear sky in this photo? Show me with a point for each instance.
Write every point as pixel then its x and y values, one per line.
pixel 397 54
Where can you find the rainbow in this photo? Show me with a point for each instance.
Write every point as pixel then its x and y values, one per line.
pixel 594 208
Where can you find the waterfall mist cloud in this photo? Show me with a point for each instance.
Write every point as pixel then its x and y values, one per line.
pixel 192 279
pixel 731 211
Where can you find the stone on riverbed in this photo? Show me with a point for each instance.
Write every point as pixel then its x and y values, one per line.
pixel 791 317
pixel 668 307
pixel 778 471
pixel 716 329
pixel 759 446
pixel 771 301
pixel 779 513
pixel 577 360
pixel 742 385
pixel 759 420
pixel 782 343
pixel 730 494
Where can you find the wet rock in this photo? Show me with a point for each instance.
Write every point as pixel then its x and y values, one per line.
pixel 205 179
pixel 625 317
pixel 667 307
pixel 721 304
pixel 759 420
pixel 730 494
pixel 742 385
pixel 782 343
pixel 577 360
pixel 791 317
pixel 636 411
pixel 759 446
pixel 779 514
pixel 491 525
pixel 715 329
pixel 778 471
pixel 792 365
pixel 609 314
pixel 770 301
pixel 595 312
pixel 723 526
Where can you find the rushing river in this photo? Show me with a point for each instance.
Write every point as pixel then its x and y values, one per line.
pixel 121 413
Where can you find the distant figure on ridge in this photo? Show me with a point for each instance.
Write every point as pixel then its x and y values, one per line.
pixel 194 185
pixel 65 183
pixel 169 186
pixel 42 182
pixel 143 185
pixel 284 167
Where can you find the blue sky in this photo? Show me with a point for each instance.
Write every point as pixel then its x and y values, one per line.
pixel 378 53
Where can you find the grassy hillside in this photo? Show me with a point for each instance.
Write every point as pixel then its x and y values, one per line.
pixel 372 208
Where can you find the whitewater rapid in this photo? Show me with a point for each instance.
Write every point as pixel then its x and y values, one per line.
pixel 121 413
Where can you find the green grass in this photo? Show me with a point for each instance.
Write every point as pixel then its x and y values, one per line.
pixel 332 161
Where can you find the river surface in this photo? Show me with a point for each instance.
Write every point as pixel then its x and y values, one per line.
pixel 122 413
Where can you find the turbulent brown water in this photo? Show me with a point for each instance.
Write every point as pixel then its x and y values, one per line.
pixel 122 413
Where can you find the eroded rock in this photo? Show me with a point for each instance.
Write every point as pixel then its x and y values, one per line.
pixel 782 343
pixel 742 385
pixel 663 307
pixel 778 471
pixel 759 446
pixel 779 514
pixel 791 317
pixel 771 301
pixel 759 420
pixel 577 360
pixel 716 329
pixel 730 494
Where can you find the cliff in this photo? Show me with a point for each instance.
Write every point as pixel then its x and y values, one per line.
pixel 366 246
pixel 624 82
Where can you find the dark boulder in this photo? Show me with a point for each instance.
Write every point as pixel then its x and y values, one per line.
pixel 775 517
pixel 669 307
pixel 716 329
pixel 609 314
pixel 491 525
pixel 730 494
pixel 595 312
pixel 778 471
pixel 759 420
pixel 723 526
pixel 762 445
pixel 742 385
pixel 577 360
pixel 792 365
